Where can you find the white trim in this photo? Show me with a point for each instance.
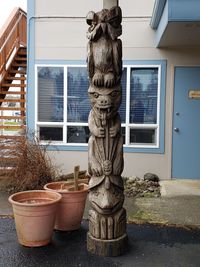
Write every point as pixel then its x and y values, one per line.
pixel 129 125
pixel 158 106
pixel 60 143
pixel 36 100
pixel 65 106
pixel 128 95
pixel 143 126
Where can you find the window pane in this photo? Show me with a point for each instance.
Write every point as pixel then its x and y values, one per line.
pixel 78 104
pixel 142 136
pixel 51 133
pixel 78 134
pixel 50 94
pixel 122 110
pixel 144 93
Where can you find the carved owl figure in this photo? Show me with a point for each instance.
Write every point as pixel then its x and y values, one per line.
pixel 104 48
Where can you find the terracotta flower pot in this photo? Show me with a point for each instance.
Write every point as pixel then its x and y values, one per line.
pixel 35 214
pixel 71 206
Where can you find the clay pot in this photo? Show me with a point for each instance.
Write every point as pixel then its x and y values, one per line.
pixel 35 214
pixel 71 206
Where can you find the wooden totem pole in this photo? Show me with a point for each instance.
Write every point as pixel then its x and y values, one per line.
pixel 107 217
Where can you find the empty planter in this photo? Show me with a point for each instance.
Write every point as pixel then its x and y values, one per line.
pixel 71 206
pixel 35 214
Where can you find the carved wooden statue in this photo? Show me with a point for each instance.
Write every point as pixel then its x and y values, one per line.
pixel 107 217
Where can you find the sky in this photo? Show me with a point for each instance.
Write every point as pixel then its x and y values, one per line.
pixel 6 7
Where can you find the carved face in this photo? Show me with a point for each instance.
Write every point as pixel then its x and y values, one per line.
pixel 107 167
pixel 104 22
pixel 106 201
pixel 105 102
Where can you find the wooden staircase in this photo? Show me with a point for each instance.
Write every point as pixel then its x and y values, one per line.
pixel 13 63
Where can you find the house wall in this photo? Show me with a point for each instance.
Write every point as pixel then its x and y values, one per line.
pixel 62 36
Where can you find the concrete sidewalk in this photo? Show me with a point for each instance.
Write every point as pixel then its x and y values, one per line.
pixel 178 205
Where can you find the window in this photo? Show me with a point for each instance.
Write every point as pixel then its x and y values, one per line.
pixel 63 105
pixel 142 106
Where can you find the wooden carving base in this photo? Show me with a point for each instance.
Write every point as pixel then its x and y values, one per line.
pixel 107 248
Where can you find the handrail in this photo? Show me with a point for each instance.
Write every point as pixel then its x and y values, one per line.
pixel 12 36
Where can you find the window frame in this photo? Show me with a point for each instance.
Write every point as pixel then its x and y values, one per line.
pixel 128 126
pixel 128 147
pixel 64 124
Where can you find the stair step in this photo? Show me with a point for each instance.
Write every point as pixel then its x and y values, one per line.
pixel 12 117
pixel 4 171
pixel 9 138
pixel 17 71
pixel 12 127
pixel 21 58
pixel 7 159
pixel 2 146
pixel 12 78
pixel 15 100
pixel 22 52
pixel 12 93
pixel 7 165
pixel 19 65
pixel 12 108
pixel 13 85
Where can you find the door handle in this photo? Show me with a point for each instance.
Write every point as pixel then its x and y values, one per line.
pixel 176 130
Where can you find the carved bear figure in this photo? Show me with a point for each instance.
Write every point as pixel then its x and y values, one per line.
pixel 105 104
pixel 104 52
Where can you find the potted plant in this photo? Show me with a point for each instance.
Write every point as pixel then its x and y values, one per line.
pixel 72 204
pixel 35 214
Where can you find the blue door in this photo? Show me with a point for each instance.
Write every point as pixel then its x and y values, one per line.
pixel 186 124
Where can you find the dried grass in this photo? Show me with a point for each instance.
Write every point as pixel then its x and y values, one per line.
pixel 33 168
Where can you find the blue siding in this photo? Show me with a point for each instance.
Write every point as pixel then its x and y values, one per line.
pixel 157 13
pixel 174 11
pixel 162 25
pixel 184 10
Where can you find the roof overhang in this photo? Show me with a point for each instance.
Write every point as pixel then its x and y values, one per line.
pixel 176 22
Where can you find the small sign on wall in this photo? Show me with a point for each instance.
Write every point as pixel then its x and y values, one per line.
pixel 194 94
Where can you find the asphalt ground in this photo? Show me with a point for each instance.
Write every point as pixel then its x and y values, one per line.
pixel 149 246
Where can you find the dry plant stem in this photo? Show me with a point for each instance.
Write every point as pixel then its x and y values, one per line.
pixel 33 167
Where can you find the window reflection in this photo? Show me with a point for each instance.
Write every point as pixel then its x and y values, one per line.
pixel 78 134
pixel 51 133
pixel 142 136
pixel 78 105
pixel 50 94
pixel 144 91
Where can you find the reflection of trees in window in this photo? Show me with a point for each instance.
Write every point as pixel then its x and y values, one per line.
pixel 144 85
pixel 122 110
pixel 50 93
pixel 78 106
